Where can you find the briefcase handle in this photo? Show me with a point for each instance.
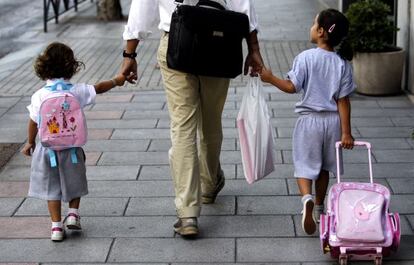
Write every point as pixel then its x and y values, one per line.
pixel 210 4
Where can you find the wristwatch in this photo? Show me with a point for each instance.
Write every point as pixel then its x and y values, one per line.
pixel 129 55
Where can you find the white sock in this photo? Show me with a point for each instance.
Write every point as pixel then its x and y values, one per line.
pixel 306 197
pixel 73 210
pixel 57 224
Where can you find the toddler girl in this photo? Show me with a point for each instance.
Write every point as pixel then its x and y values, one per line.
pixel 63 180
pixel 324 77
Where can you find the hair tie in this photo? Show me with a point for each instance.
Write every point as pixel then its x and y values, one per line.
pixel 331 28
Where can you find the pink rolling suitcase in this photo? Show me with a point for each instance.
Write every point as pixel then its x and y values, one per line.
pixel 357 224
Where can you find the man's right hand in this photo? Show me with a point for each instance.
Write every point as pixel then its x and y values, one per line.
pixel 129 69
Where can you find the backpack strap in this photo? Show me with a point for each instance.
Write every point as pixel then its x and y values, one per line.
pixel 64 86
pixel 73 156
pixel 52 157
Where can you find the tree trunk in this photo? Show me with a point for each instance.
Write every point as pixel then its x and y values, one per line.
pixel 109 10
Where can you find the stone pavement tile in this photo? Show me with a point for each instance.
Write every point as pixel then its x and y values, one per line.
pixel 102 115
pixel 172 250
pixel 401 185
pixel 397 156
pixel 8 206
pixel 120 106
pixel 144 98
pixel 133 158
pixel 125 189
pixel 282 144
pixel 88 207
pixel 387 143
pixel 387 262
pixel 142 114
pixel 99 134
pixel 11 135
pixel 20 107
pixel 224 205
pixel 403 121
pixel 19 263
pixel 7 102
pixel 165 145
pixel 281 171
pixel 44 250
pixel 354 156
pixel 375 112
pixel 92 158
pixel 389 132
pixel 149 172
pixel 403 204
pixel 20 160
pixel 263 187
pixel 13 189
pixel 279 250
pixel 163 188
pixel 114 97
pixel 2 110
pixel 406 228
pixel 112 172
pixel 410 219
pixel 25 227
pixel 402 102
pixel 380 170
pixel 265 205
pixel 117 145
pixel 210 226
pixel 14 121
pixel 405 251
pixel 132 134
pixel 293 187
pixel 122 124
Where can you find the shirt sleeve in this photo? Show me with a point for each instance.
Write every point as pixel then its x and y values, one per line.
pixel 34 107
pixel 246 7
pixel 298 73
pixel 143 16
pixel 86 94
pixel 347 82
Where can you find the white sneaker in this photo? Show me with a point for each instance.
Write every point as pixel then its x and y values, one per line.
pixel 72 221
pixel 308 223
pixel 317 211
pixel 58 234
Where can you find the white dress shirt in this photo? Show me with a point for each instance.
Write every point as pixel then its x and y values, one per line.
pixel 143 15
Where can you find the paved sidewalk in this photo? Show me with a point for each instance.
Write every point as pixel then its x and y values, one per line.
pixel 129 212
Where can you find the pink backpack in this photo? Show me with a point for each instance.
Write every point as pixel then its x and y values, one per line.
pixel 357 224
pixel 62 123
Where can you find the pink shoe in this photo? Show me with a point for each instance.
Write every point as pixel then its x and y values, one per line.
pixel 72 221
pixel 58 234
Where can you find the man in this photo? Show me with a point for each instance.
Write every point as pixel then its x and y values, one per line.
pixel 195 105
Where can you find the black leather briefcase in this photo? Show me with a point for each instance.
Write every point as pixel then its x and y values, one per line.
pixel 206 39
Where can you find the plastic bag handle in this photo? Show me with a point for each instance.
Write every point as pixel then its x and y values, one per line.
pixel 338 145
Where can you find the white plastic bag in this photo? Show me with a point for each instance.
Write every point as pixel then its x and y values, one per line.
pixel 256 134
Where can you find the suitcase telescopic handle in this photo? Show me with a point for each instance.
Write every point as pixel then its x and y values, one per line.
pixel 356 143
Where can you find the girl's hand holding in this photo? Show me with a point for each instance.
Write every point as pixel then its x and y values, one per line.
pixel 266 75
pixel 119 79
pixel 28 149
pixel 347 141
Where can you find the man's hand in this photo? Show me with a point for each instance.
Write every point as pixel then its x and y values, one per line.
pixel 254 62
pixel 129 69
pixel 28 149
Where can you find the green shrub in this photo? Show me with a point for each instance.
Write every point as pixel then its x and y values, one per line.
pixel 370 27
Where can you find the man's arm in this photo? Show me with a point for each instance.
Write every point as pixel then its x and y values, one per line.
pixel 254 59
pixel 129 67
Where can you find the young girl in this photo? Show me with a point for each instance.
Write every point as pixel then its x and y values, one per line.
pixel 67 180
pixel 324 76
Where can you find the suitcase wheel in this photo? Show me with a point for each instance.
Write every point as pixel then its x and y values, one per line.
pixel 378 261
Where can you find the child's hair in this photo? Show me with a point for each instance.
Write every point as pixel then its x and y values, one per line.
pixel 336 26
pixel 57 61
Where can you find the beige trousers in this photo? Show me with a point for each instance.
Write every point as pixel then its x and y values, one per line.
pixel 195 105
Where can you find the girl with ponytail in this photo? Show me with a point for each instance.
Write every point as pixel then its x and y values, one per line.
pixel 323 75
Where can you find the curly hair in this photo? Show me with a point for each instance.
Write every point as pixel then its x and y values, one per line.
pixel 57 61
